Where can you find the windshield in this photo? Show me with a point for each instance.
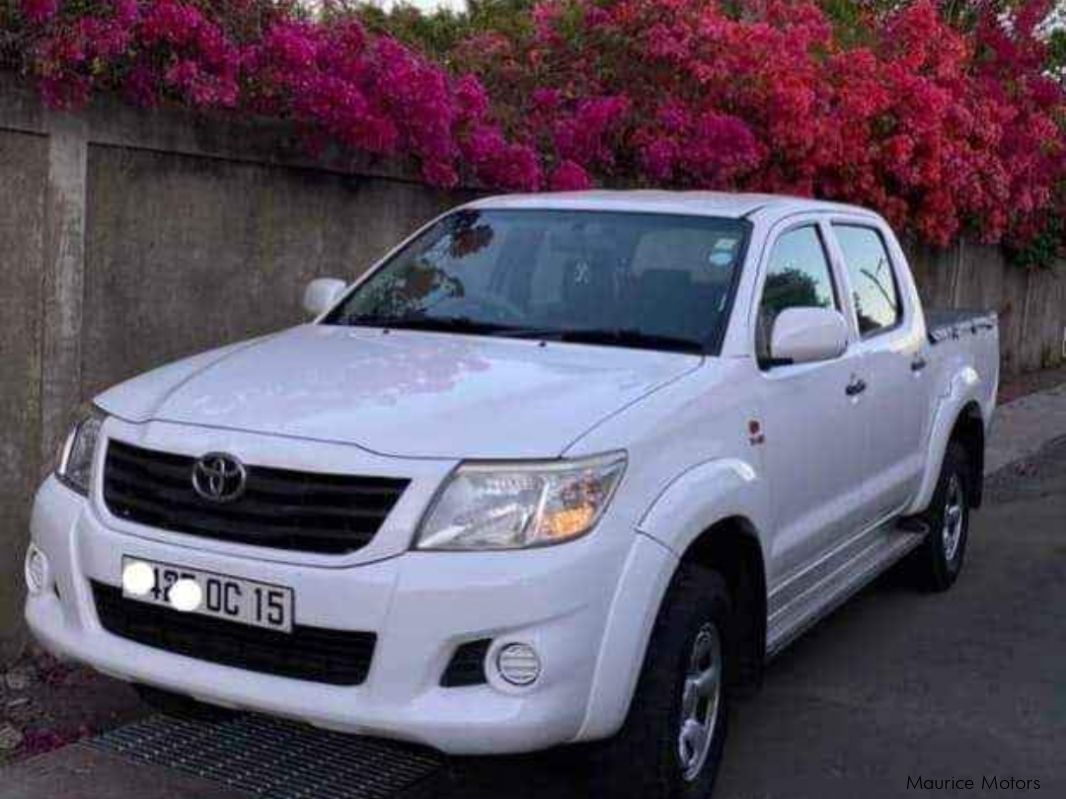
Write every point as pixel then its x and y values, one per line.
pixel 659 281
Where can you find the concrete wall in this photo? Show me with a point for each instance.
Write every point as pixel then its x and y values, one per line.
pixel 190 251
pixel 23 181
pixel 128 239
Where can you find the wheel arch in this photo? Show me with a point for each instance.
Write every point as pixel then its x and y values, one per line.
pixel 732 547
pixel 969 430
pixel 960 416
pixel 729 544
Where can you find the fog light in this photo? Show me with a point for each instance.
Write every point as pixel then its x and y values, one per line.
pixel 518 664
pixel 36 570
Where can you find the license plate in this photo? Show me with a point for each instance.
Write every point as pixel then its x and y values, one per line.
pixel 221 596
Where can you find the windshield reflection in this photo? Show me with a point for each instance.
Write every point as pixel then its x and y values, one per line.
pixel 658 281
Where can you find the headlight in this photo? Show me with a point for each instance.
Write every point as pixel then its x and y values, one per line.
pixel 75 465
pixel 511 506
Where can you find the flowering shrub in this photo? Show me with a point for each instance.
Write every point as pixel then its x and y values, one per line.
pixel 939 129
pixel 367 92
pixel 945 125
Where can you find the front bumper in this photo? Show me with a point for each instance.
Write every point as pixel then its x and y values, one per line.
pixel 420 605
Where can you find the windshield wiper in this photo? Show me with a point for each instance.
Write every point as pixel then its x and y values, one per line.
pixel 618 337
pixel 446 324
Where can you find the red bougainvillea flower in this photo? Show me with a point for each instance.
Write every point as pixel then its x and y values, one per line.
pixel 944 131
pixel 940 130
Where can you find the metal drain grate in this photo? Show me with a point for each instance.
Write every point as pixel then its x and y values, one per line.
pixel 278 759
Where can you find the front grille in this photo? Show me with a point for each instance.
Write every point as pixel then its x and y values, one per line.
pixel 280 508
pixel 335 657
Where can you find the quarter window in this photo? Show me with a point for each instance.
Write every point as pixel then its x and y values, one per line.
pixel 798 276
pixel 873 285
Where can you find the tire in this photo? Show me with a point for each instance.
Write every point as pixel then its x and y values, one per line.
pixel 181 707
pixel 645 761
pixel 938 561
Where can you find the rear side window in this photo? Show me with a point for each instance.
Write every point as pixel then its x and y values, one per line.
pixel 798 276
pixel 873 285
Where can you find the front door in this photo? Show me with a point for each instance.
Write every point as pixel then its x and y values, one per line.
pixel 813 425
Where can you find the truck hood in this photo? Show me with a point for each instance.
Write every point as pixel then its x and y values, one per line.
pixel 402 393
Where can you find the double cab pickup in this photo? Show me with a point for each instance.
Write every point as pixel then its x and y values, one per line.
pixel 560 469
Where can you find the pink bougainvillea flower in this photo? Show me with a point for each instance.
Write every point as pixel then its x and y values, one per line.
pixel 944 131
pixel 569 176
pixel 40 10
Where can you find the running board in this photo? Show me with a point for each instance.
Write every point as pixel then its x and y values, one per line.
pixel 913 524
pixel 817 602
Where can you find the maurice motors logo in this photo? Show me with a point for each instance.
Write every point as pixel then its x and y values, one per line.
pixel 956 784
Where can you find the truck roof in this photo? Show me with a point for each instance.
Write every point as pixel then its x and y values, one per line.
pixel 703 203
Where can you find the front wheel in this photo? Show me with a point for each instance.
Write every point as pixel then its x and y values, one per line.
pixel 671 743
pixel 938 562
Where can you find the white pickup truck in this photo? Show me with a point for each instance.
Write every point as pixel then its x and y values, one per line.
pixel 560 468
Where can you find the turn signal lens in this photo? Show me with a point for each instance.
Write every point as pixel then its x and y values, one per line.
pixel 36 570
pixel 75 467
pixel 567 523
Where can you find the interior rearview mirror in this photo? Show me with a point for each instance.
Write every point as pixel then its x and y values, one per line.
pixel 804 335
pixel 321 293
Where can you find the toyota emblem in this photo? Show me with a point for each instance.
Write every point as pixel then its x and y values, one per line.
pixel 219 477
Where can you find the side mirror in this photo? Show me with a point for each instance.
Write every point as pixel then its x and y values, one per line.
pixel 321 293
pixel 803 335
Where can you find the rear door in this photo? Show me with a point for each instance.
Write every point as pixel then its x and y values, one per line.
pixel 814 431
pixel 892 346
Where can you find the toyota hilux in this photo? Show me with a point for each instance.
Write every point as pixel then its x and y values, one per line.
pixel 559 469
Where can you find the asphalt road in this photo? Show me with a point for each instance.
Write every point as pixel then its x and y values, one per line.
pixel 898 684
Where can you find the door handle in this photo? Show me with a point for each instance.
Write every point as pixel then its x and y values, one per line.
pixel 855 387
pixel 918 364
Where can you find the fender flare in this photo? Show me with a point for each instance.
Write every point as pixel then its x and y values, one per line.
pixel 964 390
pixel 705 494
pixel 692 503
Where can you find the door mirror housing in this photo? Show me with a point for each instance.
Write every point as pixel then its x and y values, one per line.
pixel 805 335
pixel 321 293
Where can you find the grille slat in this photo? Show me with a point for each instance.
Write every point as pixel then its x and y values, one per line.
pixel 335 657
pixel 265 534
pixel 280 508
pixel 251 510
pixel 169 469
pixel 162 466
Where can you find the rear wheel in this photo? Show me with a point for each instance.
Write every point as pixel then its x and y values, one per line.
pixel 671 743
pixel 938 562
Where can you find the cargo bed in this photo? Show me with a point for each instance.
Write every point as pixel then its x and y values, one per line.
pixel 943 324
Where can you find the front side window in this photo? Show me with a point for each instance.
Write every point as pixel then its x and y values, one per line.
pixel 659 281
pixel 873 285
pixel 798 275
